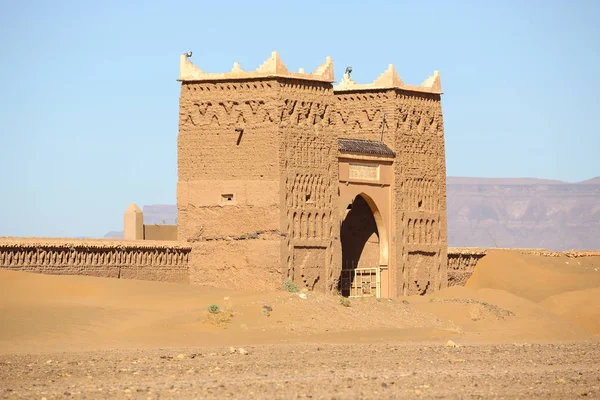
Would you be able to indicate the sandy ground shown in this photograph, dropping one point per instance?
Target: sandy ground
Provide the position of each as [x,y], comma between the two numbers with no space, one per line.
[528,326]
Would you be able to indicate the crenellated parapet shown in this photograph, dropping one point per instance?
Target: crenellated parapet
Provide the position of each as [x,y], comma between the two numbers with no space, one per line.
[272,67]
[390,79]
[147,260]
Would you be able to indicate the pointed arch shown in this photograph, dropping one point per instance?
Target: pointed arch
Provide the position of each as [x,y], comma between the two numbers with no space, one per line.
[381,227]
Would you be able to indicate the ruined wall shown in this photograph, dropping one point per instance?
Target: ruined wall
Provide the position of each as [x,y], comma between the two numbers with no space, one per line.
[461,264]
[462,261]
[102,258]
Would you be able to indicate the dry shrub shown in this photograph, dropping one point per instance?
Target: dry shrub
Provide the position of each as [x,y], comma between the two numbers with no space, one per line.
[345,301]
[290,286]
[220,319]
[218,316]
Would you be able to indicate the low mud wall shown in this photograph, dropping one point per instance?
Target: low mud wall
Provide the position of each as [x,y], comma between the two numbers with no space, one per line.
[462,260]
[461,264]
[550,253]
[145,260]
[160,232]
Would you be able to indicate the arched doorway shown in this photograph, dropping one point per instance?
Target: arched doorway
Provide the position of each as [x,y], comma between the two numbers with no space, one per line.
[361,247]
[359,236]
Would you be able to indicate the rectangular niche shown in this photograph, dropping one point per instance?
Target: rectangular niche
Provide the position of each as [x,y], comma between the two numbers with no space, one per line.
[227,199]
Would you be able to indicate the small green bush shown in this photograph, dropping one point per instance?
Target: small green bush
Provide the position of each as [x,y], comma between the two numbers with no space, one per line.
[405,302]
[345,301]
[290,286]
[214,308]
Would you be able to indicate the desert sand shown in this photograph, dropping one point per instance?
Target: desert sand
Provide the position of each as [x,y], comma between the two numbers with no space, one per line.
[525,326]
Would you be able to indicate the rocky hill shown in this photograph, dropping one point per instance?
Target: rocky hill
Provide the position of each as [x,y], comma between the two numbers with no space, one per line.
[485,212]
[523,213]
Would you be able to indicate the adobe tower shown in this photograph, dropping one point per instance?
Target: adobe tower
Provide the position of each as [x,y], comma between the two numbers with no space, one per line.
[283,176]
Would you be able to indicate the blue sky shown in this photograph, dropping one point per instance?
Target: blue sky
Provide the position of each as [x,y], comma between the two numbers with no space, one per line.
[89,98]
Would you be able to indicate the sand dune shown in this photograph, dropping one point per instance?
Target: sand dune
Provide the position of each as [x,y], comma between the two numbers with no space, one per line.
[510,297]
[530,323]
[533,277]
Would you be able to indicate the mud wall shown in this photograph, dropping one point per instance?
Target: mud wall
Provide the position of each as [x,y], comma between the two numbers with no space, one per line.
[228,190]
[461,264]
[103,258]
[257,153]
[308,157]
[160,232]
[411,125]
[462,261]
[420,192]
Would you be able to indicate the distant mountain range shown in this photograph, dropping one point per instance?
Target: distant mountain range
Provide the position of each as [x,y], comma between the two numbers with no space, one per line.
[500,212]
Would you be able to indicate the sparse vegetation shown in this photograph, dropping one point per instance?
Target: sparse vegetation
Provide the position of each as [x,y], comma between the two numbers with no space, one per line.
[345,301]
[405,302]
[221,318]
[290,286]
[218,316]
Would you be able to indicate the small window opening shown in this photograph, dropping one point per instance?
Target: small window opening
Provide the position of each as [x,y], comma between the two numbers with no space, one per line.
[308,198]
[227,197]
[420,203]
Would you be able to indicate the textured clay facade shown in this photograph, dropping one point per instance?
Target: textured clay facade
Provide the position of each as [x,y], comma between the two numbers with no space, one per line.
[146,260]
[461,264]
[283,175]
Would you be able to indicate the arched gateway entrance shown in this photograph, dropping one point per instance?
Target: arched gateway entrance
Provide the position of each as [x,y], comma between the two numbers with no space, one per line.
[365,179]
[359,235]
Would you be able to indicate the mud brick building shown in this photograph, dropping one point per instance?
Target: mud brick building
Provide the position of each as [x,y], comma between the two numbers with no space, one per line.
[282,175]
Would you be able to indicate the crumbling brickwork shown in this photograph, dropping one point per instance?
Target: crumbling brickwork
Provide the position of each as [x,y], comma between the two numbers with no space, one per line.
[461,264]
[258,152]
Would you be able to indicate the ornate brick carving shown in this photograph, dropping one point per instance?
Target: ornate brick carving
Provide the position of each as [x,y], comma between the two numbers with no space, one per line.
[142,260]
[279,130]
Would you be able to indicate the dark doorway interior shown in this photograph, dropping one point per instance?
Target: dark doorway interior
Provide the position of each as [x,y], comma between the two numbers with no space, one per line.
[359,237]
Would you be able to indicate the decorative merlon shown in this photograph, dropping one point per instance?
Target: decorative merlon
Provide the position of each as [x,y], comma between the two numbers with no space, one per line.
[433,82]
[272,67]
[390,79]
